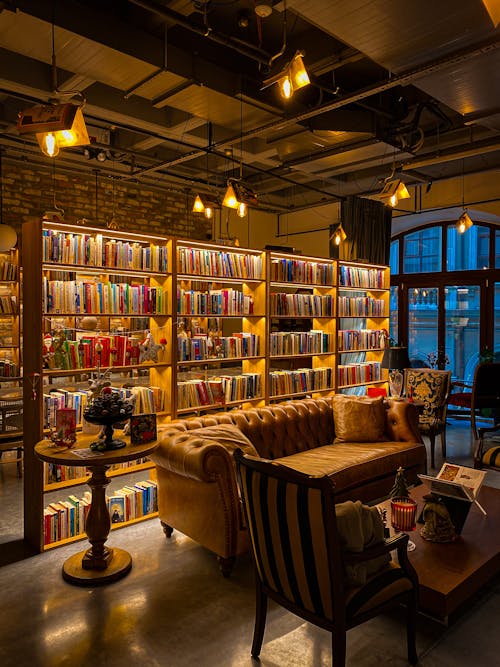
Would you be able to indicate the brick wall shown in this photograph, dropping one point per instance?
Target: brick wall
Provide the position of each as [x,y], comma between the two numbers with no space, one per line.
[29,191]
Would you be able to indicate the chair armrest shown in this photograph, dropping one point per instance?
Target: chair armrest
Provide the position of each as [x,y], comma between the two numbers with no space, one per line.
[487,429]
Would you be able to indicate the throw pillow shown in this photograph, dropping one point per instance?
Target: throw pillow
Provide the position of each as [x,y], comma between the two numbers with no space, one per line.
[358,418]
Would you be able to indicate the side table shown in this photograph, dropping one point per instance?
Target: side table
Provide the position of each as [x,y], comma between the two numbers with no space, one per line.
[99,564]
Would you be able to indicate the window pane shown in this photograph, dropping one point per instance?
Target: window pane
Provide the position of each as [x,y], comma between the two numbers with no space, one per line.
[467,251]
[422,251]
[497,250]
[422,324]
[462,329]
[496,323]
[393,305]
[394,257]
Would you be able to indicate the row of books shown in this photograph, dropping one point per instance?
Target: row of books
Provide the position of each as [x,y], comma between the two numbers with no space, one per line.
[300,381]
[360,373]
[8,271]
[54,473]
[102,298]
[91,250]
[8,304]
[355,276]
[361,339]
[301,305]
[300,342]
[218,390]
[218,263]
[89,351]
[303,271]
[8,369]
[214,302]
[203,346]
[66,518]
[148,400]
[361,306]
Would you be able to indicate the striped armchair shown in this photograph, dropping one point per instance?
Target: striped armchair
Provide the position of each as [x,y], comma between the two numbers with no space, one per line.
[301,564]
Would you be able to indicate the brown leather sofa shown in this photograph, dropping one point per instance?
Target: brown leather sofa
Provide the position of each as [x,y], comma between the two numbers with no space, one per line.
[197,489]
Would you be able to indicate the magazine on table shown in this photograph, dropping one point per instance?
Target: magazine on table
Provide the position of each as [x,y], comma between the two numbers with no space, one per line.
[455,481]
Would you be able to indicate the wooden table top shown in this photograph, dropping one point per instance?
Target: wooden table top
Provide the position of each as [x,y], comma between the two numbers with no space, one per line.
[449,573]
[47,451]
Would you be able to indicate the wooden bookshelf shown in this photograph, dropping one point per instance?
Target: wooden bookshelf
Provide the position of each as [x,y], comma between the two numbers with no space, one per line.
[363,324]
[124,282]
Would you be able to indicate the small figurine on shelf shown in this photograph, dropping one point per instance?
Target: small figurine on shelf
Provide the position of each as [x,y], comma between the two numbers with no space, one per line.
[400,487]
[148,349]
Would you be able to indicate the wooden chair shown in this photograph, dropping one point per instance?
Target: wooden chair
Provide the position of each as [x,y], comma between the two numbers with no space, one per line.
[300,562]
[430,388]
[485,401]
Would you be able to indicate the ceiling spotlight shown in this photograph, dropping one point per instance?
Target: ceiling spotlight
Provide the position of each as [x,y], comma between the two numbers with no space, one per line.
[238,196]
[393,191]
[101,156]
[263,8]
[464,222]
[291,78]
[55,125]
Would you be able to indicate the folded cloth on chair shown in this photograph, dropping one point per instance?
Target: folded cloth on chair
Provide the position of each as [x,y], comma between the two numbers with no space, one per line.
[360,526]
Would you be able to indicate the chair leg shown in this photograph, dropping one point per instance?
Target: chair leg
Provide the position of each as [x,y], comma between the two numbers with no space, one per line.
[432,441]
[411,623]
[168,530]
[226,565]
[338,647]
[260,618]
[443,444]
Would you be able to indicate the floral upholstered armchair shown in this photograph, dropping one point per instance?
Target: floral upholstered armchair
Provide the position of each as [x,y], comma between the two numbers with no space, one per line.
[430,389]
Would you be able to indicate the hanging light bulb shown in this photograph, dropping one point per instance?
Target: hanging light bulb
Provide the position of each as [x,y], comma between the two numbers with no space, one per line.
[209,212]
[393,200]
[286,87]
[464,222]
[198,206]
[48,143]
[230,198]
[338,235]
[298,72]
[242,209]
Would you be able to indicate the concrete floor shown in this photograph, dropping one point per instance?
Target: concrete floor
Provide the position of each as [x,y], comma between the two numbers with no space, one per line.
[174,609]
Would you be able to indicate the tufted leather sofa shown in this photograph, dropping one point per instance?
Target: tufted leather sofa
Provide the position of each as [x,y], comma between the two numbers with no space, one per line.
[197,489]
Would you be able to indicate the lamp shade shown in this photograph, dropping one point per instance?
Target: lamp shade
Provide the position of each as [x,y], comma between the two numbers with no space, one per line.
[396,357]
[8,237]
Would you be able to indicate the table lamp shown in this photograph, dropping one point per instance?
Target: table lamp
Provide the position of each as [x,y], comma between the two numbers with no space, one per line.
[395,359]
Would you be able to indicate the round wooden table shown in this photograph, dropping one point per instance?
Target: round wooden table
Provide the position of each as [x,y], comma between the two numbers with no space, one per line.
[99,564]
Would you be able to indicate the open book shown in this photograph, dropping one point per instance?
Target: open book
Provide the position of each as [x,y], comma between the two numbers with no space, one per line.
[455,481]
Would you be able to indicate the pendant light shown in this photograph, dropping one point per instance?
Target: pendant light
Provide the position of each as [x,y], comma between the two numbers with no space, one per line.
[464,222]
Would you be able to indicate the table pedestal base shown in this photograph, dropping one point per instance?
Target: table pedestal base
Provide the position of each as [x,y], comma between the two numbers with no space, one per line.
[119,565]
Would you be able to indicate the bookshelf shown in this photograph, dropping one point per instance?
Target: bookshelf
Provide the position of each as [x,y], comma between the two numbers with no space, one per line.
[97,298]
[363,324]
[301,326]
[11,403]
[220,325]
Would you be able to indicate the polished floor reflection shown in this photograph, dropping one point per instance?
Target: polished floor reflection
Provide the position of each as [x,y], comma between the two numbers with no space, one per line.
[174,609]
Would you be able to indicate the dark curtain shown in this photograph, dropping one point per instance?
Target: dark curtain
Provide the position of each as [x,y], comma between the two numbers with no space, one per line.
[367,224]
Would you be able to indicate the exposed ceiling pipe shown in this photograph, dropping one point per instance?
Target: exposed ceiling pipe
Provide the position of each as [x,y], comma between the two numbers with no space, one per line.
[486,146]
[247,50]
[398,80]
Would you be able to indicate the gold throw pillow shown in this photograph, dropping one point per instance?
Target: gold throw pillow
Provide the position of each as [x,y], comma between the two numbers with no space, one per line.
[358,418]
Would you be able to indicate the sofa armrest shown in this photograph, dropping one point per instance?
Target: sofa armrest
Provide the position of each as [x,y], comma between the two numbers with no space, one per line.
[192,455]
[402,421]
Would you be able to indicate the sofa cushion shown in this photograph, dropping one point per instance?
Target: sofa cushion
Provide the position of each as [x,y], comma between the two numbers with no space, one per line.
[353,465]
[358,418]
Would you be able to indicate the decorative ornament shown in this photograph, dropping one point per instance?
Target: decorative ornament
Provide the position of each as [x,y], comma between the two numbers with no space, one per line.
[400,487]
[438,526]
[149,349]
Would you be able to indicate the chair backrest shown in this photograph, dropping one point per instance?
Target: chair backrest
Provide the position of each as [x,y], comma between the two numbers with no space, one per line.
[485,391]
[429,386]
[292,526]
